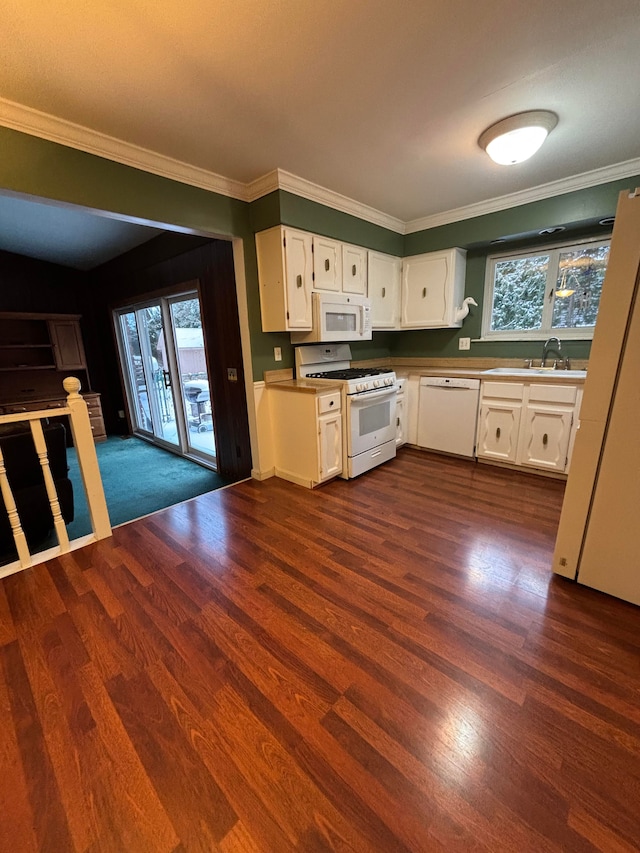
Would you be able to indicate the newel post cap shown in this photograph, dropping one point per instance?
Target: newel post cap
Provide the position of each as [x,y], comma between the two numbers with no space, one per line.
[71,385]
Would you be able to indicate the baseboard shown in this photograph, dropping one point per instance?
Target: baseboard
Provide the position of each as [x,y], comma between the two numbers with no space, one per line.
[263,475]
[294,478]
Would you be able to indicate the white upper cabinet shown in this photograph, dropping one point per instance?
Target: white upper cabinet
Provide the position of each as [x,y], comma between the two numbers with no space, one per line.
[285,267]
[419,292]
[432,289]
[327,264]
[385,278]
[354,269]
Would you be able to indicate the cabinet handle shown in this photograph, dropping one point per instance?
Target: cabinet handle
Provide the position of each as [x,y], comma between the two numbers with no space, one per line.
[545,439]
[498,432]
[326,264]
[424,292]
[353,270]
[384,292]
[397,421]
[298,281]
[331,402]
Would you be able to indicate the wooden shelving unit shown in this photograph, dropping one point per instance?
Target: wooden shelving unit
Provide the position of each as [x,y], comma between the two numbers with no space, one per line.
[37,351]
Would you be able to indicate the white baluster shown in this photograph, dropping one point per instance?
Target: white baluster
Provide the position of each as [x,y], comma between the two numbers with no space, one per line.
[50,486]
[86,450]
[14,519]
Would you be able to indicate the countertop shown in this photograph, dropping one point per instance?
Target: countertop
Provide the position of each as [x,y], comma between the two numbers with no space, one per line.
[556,377]
[306,386]
[475,368]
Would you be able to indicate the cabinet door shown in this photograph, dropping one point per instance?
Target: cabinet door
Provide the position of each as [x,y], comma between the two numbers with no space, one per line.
[424,284]
[354,270]
[545,437]
[327,264]
[299,268]
[400,431]
[498,429]
[330,445]
[432,289]
[68,350]
[384,281]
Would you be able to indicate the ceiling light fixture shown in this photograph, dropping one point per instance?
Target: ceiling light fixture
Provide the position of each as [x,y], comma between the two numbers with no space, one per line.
[518,137]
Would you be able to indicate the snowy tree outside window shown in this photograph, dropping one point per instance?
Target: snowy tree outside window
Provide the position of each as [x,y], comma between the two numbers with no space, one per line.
[534,294]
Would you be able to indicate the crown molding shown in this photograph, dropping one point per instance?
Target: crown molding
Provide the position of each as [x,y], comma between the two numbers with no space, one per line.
[314,192]
[35,123]
[627,169]
[262,186]
[45,126]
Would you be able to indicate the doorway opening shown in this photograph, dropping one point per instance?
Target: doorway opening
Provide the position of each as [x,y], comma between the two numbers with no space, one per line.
[162,353]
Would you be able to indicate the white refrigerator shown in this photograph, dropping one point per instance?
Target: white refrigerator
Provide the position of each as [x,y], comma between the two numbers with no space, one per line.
[598,542]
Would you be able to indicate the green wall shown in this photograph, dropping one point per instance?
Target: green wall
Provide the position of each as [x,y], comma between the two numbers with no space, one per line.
[36,167]
[579,212]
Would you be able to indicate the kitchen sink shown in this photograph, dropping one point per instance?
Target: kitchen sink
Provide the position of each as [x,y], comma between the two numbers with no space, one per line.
[536,371]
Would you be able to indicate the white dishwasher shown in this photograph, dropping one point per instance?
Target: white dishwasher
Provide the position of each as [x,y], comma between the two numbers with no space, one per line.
[448,414]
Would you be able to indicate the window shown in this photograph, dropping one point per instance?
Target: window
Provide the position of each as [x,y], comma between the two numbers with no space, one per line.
[529,295]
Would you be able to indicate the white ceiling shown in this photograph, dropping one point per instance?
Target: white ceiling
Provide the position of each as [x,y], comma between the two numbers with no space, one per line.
[63,235]
[379,101]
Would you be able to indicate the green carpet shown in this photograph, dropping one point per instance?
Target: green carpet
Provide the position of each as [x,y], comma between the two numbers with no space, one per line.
[138,478]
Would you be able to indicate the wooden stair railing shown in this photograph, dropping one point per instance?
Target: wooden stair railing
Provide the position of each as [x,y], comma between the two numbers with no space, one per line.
[76,409]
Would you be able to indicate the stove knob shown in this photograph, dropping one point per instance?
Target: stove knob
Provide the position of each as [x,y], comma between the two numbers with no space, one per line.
[359,387]
[376,383]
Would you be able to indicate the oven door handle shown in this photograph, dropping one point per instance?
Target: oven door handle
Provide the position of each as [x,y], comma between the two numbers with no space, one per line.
[365,396]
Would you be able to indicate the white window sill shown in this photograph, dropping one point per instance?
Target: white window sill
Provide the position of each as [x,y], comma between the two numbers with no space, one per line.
[563,334]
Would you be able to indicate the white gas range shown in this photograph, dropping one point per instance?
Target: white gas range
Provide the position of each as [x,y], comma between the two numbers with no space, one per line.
[369,398]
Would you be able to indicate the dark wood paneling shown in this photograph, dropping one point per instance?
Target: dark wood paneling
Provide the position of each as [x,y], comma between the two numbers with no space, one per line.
[27,284]
[155,268]
[383,664]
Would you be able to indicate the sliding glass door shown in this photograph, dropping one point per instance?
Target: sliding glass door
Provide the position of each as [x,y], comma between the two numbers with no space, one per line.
[162,353]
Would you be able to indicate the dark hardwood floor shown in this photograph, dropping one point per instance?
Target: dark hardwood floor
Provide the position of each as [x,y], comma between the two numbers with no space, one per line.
[384,664]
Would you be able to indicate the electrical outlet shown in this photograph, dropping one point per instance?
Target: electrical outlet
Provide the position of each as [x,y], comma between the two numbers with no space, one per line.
[121,413]
[277,353]
[464,343]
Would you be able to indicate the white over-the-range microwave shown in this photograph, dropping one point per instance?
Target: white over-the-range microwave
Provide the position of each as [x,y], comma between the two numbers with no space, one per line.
[337,317]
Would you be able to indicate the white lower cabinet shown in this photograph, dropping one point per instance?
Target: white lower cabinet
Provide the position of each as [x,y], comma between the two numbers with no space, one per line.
[307,434]
[545,437]
[498,431]
[401,431]
[527,424]
[330,446]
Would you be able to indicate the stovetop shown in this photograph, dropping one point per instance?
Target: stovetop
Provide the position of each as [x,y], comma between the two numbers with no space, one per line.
[312,363]
[348,373]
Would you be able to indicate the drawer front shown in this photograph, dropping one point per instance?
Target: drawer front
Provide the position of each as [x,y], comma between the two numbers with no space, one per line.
[553,393]
[97,427]
[35,406]
[503,390]
[329,403]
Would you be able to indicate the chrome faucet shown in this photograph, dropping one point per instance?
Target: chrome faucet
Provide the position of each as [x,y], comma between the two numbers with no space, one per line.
[550,347]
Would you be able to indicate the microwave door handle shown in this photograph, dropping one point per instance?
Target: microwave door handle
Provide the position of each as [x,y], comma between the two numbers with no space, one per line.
[361,320]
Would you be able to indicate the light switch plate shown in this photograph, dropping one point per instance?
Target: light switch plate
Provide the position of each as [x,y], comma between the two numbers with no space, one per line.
[277,353]
[464,343]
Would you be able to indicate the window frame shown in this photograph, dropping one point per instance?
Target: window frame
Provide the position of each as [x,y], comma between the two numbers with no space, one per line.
[554,250]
